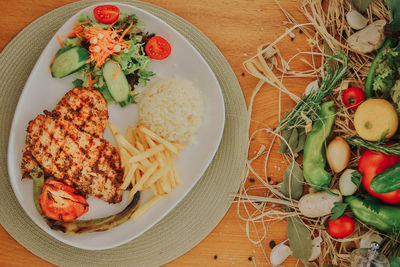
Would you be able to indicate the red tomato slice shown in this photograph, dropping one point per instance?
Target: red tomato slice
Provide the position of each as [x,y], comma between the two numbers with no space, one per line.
[106,14]
[62,202]
[158,48]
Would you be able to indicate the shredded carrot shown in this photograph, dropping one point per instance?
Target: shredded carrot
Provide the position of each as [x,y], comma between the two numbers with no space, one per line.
[116,55]
[75,32]
[90,81]
[59,40]
[109,27]
[105,45]
[125,31]
[115,74]
[82,23]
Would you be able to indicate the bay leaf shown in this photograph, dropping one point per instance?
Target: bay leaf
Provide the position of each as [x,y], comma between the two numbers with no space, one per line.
[296,181]
[361,5]
[293,140]
[299,238]
[302,140]
[285,136]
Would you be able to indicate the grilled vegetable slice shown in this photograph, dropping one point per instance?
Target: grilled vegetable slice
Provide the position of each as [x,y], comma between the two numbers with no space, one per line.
[62,202]
[81,226]
[68,60]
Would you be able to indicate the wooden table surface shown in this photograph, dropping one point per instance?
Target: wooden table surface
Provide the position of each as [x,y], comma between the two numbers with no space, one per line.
[237,28]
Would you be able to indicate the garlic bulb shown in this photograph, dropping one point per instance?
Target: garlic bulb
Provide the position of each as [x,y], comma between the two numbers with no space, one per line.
[368,39]
[356,20]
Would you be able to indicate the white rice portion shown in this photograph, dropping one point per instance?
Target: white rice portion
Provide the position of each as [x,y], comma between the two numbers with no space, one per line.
[173,108]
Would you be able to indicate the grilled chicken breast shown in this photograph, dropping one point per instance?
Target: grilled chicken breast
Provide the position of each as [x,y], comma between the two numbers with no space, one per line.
[69,146]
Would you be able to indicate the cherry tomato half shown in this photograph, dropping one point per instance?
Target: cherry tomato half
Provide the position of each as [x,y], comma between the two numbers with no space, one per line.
[352,97]
[341,227]
[106,14]
[157,48]
[62,202]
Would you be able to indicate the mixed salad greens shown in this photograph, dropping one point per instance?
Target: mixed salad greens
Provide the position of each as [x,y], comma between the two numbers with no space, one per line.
[111,54]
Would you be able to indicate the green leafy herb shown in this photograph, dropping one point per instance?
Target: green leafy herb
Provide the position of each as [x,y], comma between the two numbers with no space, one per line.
[77,83]
[300,239]
[372,204]
[361,5]
[294,181]
[379,145]
[295,137]
[356,178]
[310,105]
[394,6]
[338,210]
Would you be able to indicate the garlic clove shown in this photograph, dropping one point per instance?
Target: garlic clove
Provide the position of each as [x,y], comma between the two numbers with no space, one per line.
[279,254]
[316,248]
[356,20]
[312,86]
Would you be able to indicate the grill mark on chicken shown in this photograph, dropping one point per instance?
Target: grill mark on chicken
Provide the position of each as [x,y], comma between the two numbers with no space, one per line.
[68,144]
[86,108]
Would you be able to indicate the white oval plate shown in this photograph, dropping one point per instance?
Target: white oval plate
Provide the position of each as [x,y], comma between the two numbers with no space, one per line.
[43,92]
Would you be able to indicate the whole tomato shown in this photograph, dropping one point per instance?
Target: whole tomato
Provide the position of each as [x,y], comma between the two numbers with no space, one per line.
[371,163]
[352,97]
[341,227]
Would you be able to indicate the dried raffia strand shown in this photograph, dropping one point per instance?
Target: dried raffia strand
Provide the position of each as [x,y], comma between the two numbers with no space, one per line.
[270,67]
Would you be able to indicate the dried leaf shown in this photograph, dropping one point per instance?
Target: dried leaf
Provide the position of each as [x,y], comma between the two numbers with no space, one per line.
[302,140]
[294,139]
[361,5]
[285,136]
[296,180]
[300,239]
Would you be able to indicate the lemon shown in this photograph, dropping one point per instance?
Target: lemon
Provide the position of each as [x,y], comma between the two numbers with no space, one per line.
[375,118]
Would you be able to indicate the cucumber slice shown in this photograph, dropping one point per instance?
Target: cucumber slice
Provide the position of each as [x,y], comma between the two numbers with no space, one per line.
[69,60]
[116,81]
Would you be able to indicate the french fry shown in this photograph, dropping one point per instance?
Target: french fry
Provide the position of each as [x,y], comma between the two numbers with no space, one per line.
[143,179]
[129,176]
[165,185]
[124,155]
[160,173]
[146,154]
[148,205]
[155,137]
[130,134]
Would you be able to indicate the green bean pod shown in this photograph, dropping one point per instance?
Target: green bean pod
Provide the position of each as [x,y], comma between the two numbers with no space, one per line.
[81,226]
[383,217]
[314,159]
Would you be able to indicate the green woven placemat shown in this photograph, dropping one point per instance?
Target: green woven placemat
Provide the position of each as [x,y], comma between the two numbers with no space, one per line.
[186,225]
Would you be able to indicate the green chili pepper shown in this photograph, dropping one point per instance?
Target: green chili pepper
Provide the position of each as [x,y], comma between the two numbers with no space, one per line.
[314,160]
[389,43]
[387,181]
[383,217]
[81,226]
